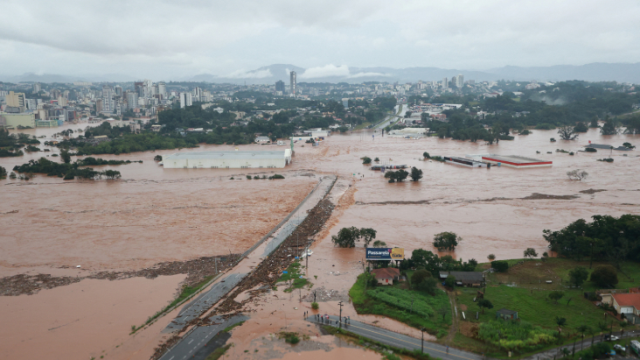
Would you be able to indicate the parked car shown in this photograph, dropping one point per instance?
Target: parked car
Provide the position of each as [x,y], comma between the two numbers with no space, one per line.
[619,348]
[611,338]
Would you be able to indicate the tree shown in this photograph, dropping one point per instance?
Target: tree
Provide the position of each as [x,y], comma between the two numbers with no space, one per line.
[367,235]
[555,296]
[394,176]
[491,257]
[581,127]
[450,281]
[157,158]
[567,133]
[578,276]
[561,321]
[594,122]
[376,160]
[346,237]
[443,310]
[530,253]
[418,277]
[500,266]
[66,158]
[379,244]
[426,155]
[577,174]
[3,172]
[582,329]
[366,160]
[112,174]
[446,241]
[604,276]
[416,174]
[609,127]
[429,285]
[485,304]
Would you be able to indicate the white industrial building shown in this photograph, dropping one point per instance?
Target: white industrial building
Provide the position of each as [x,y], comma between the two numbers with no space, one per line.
[229,159]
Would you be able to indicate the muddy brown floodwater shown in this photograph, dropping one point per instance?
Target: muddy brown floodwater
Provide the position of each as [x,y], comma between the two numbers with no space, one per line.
[156,215]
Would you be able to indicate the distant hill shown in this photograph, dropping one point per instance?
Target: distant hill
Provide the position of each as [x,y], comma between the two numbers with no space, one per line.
[620,72]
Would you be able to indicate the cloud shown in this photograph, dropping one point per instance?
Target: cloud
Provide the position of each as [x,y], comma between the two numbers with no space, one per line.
[367,74]
[326,71]
[167,39]
[256,74]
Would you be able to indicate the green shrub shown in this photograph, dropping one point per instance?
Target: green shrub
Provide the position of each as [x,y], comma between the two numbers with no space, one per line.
[248,177]
[590,149]
[315,306]
[525,132]
[426,155]
[500,266]
[366,160]
[276,176]
[514,335]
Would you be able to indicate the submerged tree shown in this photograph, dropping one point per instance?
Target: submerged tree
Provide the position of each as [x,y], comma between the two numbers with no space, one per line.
[567,133]
[416,174]
[446,241]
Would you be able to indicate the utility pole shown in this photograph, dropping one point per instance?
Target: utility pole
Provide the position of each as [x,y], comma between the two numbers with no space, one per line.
[340,303]
[422,331]
[216,262]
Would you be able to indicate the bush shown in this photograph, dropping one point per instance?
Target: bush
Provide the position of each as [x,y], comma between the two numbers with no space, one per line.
[609,160]
[256,177]
[3,172]
[315,306]
[158,158]
[276,176]
[426,155]
[248,177]
[514,335]
[450,281]
[525,132]
[590,149]
[604,276]
[500,266]
[366,160]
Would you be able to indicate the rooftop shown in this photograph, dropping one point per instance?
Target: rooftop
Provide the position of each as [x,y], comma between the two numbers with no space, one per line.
[385,273]
[628,299]
[228,155]
[464,276]
[607,147]
[515,159]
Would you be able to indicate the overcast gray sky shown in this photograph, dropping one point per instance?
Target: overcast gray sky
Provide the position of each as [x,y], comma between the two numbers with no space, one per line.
[164,39]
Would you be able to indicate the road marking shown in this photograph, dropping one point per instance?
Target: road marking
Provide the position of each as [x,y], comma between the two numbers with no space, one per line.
[408,342]
[190,342]
[172,357]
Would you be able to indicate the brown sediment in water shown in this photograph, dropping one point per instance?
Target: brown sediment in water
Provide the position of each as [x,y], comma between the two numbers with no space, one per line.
[157,215]
[196,270]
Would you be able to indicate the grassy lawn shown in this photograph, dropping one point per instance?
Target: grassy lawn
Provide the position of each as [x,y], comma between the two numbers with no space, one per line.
[524,289]
[395,302]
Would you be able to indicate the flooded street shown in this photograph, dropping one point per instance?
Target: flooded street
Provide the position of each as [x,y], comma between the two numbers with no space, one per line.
[154,215]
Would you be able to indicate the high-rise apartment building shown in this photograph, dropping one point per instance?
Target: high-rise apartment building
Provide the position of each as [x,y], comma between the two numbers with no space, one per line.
[107,99]
[139,88]
[132,100]
[162,89]
[280,86]
[445,83]
[16,100]
[292,80]
[118,90]
[185,100]
[36,88]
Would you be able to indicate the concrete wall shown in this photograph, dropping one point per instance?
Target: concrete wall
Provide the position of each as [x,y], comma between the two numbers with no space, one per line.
[224,163]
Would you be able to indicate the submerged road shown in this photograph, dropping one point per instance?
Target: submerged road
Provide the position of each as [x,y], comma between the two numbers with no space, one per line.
[198,344]
[191,345]
[398,340]
[391,119]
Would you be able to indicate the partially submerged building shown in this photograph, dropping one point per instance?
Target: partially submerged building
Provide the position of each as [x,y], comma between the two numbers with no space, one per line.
[229,159]
[514,161]
[465,278]
[464,162]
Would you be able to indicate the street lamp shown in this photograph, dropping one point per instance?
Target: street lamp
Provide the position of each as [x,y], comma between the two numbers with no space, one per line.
[340,304]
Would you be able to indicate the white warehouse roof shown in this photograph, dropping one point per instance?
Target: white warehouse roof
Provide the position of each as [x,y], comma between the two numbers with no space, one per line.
[239,155]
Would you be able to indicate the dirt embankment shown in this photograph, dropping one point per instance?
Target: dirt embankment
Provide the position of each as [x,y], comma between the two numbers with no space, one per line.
[196,270]
[266,273]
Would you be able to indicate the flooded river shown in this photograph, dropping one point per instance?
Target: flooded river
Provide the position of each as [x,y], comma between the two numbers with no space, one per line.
[153,215]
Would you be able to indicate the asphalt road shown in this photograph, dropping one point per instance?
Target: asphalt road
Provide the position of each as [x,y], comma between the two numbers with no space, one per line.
[398,340]
[198,344]
[581,345]
[389,119]
[204,301]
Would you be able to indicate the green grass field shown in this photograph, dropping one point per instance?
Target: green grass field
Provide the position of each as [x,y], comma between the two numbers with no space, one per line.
[293,276]
[395,302]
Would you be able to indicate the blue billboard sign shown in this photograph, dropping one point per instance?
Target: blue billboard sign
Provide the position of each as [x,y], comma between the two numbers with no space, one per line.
[376,254]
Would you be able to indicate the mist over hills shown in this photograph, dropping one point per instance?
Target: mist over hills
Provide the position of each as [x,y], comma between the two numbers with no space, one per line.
[621,72]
